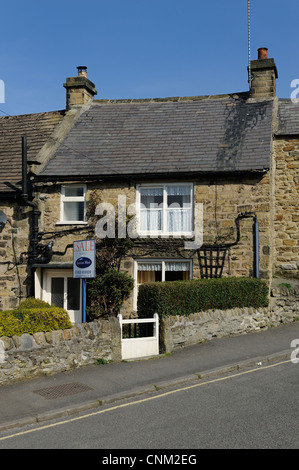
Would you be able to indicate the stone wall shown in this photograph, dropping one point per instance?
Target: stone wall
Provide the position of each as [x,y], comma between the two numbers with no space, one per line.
[28,356]
[284,302]
[286,217]
[14,241]
[178,331]
[222,199]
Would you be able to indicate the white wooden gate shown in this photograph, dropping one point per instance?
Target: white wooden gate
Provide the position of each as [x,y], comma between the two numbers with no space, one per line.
[136,346]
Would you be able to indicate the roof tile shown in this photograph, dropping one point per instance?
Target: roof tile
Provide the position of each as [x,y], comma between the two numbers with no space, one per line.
[130,137]
[37,128]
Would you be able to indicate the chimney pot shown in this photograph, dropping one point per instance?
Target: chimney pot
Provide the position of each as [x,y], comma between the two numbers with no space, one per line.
[82,71]
[262,53]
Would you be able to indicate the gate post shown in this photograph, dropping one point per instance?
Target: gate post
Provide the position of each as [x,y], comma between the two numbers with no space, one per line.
[156,331]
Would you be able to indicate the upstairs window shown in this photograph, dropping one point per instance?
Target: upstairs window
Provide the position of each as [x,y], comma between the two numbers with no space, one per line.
[165,209]
[73,203]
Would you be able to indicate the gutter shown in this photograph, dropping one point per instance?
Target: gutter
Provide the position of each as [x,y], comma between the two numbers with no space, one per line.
[135,177]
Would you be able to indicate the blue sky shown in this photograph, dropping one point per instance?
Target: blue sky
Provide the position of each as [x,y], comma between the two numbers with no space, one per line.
[140,48]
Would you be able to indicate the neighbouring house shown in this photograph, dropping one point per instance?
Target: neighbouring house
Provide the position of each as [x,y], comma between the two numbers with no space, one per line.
[233,157]
[17,211]
[286,190]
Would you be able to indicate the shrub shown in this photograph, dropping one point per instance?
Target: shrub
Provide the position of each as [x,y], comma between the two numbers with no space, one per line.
[108,291]
[186,297]
[111,287]
[32,320]
[31,302]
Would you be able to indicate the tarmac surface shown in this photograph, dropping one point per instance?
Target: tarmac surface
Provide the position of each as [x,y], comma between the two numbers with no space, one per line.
[60,395]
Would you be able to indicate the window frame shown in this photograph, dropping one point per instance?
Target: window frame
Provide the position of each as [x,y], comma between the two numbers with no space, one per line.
[64,199]
[164,209]
[163,261]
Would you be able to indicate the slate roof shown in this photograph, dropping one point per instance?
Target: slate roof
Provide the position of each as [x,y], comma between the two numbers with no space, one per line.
[170,136]
[37,128]
[288,118]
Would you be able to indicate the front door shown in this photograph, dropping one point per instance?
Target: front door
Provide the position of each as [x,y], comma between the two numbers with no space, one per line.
[63,291]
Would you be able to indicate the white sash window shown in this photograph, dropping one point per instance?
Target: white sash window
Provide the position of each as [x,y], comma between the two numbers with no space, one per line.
[73,204]
[165,209]
[151,209]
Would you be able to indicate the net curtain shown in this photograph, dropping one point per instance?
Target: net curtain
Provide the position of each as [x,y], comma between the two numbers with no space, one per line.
[169,266]
[178,210]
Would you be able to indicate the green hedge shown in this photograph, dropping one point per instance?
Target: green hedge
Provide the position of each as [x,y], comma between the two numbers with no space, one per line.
[32,316]
[186,297]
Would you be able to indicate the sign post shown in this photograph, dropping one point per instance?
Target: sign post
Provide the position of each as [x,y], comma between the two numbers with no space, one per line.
[83,300]
[84,262]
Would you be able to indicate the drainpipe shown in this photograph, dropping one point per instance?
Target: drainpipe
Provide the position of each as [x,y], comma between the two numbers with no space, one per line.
[256,247]
[35,212]
[256,254]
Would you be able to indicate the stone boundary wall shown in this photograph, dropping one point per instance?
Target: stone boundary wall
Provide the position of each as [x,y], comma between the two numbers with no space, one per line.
[29,356]
[178,331]
[284,303]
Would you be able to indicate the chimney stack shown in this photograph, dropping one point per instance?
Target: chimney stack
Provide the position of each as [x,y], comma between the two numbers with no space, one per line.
[263,76]
[79,90]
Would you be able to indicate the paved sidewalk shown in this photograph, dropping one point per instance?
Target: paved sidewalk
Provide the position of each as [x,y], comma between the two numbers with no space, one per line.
[63,394]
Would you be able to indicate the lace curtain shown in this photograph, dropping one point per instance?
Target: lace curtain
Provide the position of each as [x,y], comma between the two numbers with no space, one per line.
[178,210]
[169,266]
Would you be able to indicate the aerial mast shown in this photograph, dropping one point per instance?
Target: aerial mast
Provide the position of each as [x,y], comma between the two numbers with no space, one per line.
[249,52]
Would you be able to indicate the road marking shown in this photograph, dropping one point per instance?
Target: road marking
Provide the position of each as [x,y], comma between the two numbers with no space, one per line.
[142,400]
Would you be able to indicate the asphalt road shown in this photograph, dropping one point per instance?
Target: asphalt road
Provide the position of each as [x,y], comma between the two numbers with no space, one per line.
[250,409]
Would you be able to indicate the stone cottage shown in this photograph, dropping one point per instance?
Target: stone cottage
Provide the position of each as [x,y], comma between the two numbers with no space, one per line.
[227,161]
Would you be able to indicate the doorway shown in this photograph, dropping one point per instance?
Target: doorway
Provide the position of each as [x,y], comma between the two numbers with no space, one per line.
[62,290]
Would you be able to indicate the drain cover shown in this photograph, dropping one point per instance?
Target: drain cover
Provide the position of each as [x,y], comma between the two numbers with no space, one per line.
[63,390]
